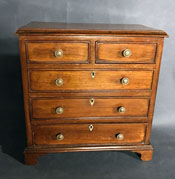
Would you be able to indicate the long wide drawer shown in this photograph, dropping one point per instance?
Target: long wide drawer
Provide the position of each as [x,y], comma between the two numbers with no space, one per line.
[88,107]
[89,134]
[125,52]
[57,52]
[45,80]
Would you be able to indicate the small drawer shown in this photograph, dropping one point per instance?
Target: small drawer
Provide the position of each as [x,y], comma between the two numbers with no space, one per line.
[125,53]
[57,52]
[90,107]
[43,80]
[117,134]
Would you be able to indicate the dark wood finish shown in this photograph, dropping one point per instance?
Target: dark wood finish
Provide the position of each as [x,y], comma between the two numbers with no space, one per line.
[82,80]
[44,52]
[87,48]
[113,53]
[73,108]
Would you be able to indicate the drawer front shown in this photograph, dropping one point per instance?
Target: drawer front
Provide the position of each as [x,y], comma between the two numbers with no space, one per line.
[89,134]
[91,107]
[89,80]
[57,52]
[125,53]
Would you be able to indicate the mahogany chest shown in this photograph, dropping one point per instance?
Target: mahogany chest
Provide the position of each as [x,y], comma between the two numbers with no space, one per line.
[89,87]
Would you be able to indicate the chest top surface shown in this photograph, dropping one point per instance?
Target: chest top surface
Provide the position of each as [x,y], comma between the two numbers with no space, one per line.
[85,28]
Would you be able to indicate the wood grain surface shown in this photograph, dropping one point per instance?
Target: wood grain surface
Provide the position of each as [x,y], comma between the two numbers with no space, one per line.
[82,80]
[46,108]
[44,52]
[80,134]
[113,53]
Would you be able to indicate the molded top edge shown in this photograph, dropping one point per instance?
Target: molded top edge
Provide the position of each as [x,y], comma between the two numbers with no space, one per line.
[84,28]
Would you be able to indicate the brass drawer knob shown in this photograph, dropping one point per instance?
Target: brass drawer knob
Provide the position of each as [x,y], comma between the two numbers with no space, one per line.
[58,53]
[60,136]
[59,81]
[124,81]
[120,136]
[121,109]
[59,110]
[127,53]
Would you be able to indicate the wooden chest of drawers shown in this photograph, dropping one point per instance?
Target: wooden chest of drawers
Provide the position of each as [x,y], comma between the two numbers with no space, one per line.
[89,87]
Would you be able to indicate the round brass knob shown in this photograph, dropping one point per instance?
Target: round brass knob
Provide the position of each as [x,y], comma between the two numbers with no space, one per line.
[58,53]
[120,136]
[127,53]
[121,109]
[59,81]
[59,110]
[124,81]
[60,136]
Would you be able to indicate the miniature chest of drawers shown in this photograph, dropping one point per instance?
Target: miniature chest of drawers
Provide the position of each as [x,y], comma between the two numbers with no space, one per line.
[89,87]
